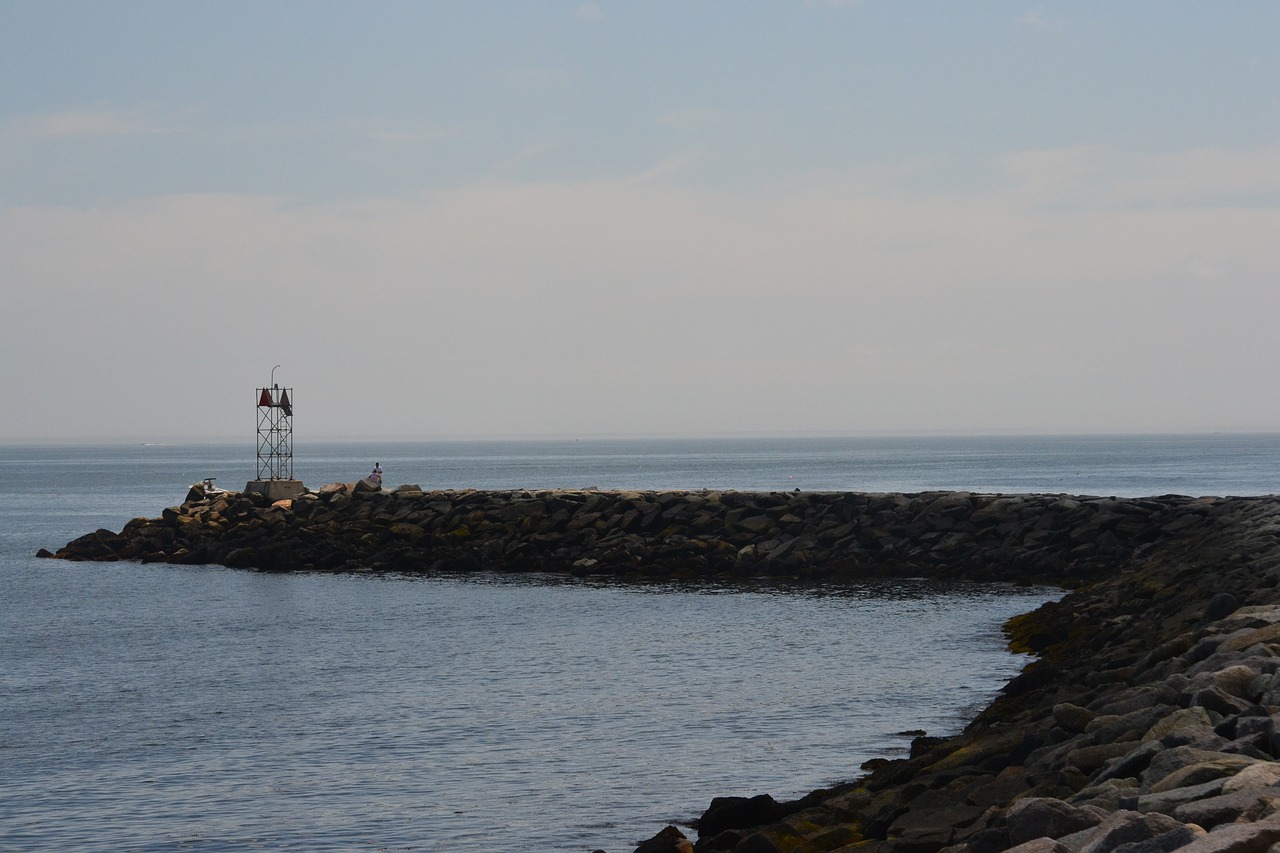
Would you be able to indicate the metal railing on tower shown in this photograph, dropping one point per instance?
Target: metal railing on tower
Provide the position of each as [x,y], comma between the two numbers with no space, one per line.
[275,432]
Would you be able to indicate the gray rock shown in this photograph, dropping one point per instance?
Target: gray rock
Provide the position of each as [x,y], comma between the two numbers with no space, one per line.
[1180,719]
[1266,689]
[1166,801]
[1216,699]
[1126,701]
[1166,842]
[1248,637]
[1106,795]
[1235,680]
[1205,771]
[1220,606]
[1132,764]
[1130,726]
[1264,774]
[1224,808]
[1071,717]
[1035,817]
[1178,758]
[1040,845]
[1254,725]
[1091,758]
[1238,838]
[1203,739]
[1127,827]
[1260,658]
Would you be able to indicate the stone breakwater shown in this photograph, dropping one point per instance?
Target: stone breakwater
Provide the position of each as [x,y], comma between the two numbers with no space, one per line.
[1149,719]
[361,527]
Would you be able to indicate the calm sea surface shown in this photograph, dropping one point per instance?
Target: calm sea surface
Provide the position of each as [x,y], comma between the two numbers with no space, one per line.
[197,708]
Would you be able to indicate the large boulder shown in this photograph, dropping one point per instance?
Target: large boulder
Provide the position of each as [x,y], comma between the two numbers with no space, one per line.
[669,840]
[1036,817]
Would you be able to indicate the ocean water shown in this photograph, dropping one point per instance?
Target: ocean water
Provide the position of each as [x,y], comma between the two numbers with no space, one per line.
[199,708]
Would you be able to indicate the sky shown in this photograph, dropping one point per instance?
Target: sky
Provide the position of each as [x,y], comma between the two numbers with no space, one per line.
[695,217]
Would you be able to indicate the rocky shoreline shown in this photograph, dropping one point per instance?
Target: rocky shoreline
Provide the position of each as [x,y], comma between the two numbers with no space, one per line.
[1149,719]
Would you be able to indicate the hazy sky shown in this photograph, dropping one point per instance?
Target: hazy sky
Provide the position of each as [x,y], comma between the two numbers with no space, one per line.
[451,219]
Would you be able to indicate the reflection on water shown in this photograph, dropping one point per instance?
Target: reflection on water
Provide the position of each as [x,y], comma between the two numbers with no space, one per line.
[155,707]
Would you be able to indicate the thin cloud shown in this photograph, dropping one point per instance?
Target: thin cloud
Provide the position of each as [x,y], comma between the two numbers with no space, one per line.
[687,119]
[669,166]
[523,157]
[72,124]
[1036,21]
[904,299]
[421,134]
[537,78]
[1101,178]
[591,12]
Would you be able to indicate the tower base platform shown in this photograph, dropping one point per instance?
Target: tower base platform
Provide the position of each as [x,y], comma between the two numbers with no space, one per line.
[276,490]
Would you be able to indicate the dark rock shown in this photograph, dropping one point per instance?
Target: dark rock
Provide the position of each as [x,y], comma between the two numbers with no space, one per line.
[1126,827]
[933,818]
[1235,681]
[1090,758]
[669,840]
[1035,817]
[1195,737]
[1224,808]
[1166,842]
[1166,802]
[1214,699]
[1219,607]
[1238,838]
[739,813]
[1220,767]
[1040,845]
[1071,717]
[1133,763]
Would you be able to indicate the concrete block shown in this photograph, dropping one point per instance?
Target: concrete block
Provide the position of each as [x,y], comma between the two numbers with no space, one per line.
[276,490]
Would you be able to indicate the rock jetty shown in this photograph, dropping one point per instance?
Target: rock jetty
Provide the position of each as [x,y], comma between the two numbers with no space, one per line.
[362,527]
[1148,720]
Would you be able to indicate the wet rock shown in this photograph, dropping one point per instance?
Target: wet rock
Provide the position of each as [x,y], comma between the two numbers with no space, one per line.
[739,812]
[669,840]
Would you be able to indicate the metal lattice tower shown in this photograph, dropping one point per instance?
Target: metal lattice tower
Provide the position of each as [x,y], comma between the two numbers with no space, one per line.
[275,432]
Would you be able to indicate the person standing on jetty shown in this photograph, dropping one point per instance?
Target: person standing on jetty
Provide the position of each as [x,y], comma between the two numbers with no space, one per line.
[376,476]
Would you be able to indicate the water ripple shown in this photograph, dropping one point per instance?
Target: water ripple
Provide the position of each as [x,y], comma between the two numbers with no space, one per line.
[180,708]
